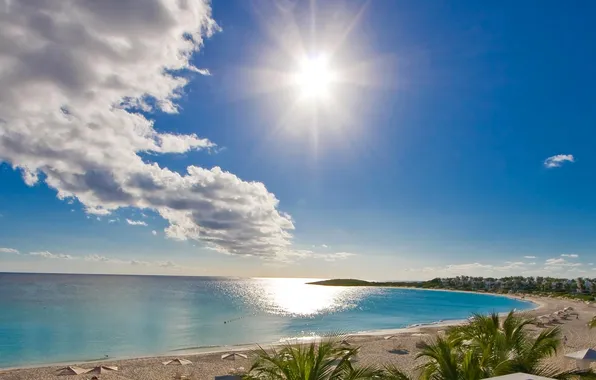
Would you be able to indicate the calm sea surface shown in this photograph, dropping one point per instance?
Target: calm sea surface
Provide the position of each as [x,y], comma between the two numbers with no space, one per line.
[55,318]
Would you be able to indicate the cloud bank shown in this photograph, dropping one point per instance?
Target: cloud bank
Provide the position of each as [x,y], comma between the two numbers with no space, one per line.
[74,76]
[558,160]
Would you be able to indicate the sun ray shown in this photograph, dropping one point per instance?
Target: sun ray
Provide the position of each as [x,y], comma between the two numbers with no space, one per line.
[313,75]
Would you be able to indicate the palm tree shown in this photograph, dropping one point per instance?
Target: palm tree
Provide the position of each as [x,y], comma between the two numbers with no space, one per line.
[391,372]
[486,347]
[322,361]
[446,360]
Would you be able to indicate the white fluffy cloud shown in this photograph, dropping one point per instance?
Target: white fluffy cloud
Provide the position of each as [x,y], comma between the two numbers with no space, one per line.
[72,74]
[558,160]
[153,232]
[9,250]
[572,256]
[136,222]
[529,257]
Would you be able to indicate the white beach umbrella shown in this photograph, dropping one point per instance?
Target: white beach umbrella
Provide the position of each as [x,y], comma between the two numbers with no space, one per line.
[583,358]
[519,376]
[233,356]
[103,369]
[178,361]
[71,370]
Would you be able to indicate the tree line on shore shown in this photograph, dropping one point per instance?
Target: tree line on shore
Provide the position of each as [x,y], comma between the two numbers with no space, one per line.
[582,288]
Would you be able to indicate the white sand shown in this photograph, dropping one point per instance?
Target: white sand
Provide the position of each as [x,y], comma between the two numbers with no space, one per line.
[400,350]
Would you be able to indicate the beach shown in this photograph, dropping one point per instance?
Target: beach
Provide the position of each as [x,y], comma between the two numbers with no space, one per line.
[378,348]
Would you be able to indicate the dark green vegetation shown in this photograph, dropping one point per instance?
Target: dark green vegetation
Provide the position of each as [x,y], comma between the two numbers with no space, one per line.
[484,347]
[579,288]
[354,282]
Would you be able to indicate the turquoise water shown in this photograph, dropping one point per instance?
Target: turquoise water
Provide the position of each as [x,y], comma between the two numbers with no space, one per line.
[56,318]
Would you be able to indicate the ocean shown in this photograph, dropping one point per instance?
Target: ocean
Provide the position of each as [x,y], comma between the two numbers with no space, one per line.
[49,318]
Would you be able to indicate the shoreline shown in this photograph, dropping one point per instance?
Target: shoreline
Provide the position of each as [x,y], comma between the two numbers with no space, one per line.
[207,350]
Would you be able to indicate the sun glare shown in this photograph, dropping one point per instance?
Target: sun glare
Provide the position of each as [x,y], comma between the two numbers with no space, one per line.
[315,77]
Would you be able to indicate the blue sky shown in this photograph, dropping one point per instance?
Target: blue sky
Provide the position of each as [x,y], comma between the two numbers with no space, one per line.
[428,154]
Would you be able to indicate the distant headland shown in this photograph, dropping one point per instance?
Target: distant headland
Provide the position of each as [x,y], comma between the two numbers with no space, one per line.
[580,288]
[355,282]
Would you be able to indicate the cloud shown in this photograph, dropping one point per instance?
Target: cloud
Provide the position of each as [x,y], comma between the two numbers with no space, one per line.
[49,255]
[95,257]
[306,254]
[9,250]
[335,256]
[529,257]
[153,232]
[205,72]
[167,264]
[109,260]
[136,222]
[560,263]
[554,261]
[573,256]
[74,79]
[324,246]
[558,160]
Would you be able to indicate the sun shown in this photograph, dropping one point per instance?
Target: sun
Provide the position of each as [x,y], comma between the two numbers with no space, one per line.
[315,77]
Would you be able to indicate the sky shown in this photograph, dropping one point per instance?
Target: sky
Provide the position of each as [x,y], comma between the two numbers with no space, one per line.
[389,140]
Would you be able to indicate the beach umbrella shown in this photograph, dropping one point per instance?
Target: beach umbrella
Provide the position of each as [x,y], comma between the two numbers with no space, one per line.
[583,358]
[103,369]
[178,361]
[543,319]
[519,376]
[71,370]
[233,356]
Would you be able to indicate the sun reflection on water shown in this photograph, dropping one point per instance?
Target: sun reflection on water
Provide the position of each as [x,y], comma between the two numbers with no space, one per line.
[293,296]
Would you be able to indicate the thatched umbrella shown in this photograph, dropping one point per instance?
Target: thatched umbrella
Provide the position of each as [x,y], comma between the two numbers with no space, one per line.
[178,361]
[103,369]
[71,370]
[233,356]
